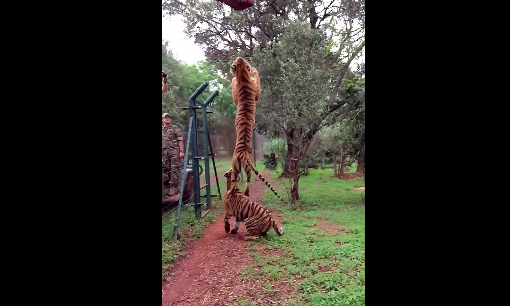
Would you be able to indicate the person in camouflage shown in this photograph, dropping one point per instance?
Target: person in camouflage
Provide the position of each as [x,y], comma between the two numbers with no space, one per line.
[172,146]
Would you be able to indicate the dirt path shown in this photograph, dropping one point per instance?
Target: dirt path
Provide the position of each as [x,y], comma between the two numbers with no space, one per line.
[209,275]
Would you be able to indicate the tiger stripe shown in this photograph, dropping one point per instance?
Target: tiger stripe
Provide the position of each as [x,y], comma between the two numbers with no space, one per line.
[257,220]
[245,92]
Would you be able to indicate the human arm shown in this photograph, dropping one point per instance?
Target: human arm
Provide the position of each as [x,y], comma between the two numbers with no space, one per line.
[165,88]
[181,143]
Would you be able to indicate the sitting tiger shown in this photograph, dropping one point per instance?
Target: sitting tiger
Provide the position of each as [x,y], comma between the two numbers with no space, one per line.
[245,93]
[256,218]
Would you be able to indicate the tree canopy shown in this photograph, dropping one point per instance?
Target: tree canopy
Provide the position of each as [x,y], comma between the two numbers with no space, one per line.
[184,79]
[303,51]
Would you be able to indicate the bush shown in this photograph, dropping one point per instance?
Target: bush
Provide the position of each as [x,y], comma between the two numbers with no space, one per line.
[279,147]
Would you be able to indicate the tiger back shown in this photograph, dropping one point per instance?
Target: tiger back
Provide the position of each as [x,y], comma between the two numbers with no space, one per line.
[257,220]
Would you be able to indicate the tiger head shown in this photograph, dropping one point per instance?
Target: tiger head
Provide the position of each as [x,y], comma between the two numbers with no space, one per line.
[239,67]
[228,174]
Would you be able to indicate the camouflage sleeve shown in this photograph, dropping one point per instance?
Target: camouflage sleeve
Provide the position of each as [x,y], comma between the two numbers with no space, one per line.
[178,134]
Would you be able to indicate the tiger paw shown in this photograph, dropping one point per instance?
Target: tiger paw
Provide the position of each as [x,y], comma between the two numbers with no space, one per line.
[233,231]
[227,227]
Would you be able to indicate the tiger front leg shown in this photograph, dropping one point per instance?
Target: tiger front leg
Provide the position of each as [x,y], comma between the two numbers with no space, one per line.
[227,223]
[236,227]
[234,179]
[256,81]
[235,91]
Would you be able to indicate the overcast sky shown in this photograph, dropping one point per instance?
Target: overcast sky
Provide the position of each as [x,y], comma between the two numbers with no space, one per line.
[184,48]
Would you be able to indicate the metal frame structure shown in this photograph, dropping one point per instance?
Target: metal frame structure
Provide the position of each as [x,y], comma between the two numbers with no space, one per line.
[192,139]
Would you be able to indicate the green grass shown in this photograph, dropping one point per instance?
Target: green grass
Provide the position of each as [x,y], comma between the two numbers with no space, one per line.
[323,245]
[221,166]
[243,302]
[351,169]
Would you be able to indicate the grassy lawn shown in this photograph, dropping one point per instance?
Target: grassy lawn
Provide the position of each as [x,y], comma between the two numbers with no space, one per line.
[322,254]
[221,167]
[351,169]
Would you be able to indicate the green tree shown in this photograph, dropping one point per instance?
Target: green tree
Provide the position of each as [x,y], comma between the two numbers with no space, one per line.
[303,50]
[298,84]
[184,79]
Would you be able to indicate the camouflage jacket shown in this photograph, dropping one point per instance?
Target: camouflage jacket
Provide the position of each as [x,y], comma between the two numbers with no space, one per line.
[170,138]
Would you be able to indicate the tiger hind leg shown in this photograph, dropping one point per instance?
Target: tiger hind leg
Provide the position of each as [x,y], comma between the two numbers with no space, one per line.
[247,169]
[252,231]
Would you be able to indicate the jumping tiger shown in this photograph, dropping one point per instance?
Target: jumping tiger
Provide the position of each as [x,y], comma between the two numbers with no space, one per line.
[257,220]
[245,92]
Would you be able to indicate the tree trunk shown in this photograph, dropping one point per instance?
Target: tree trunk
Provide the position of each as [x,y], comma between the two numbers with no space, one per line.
[359,168]
[335,172]
[361,160]
[227,147]
[294,154]
[295,188]
[290,168]
[342,165]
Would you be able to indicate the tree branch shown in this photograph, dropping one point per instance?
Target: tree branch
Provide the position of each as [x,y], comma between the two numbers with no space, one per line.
[341,76]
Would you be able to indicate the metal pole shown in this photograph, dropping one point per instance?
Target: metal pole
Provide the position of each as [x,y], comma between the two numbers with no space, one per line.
[214,167]
[217,140]
[183,179]
[193,114]
[205,138]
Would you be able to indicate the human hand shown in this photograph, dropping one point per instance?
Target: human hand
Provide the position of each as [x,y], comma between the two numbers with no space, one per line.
[181,155]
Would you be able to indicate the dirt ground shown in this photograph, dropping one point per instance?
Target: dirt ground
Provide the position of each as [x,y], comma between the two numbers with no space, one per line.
[209,274]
